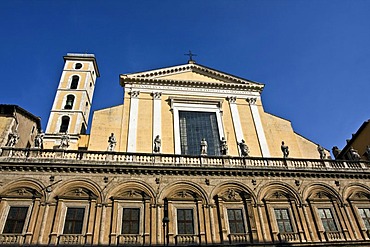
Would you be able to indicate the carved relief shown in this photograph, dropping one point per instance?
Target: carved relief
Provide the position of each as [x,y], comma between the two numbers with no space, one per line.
[252,101]
[231,195]
[157,95]
[231,99]
[135,94]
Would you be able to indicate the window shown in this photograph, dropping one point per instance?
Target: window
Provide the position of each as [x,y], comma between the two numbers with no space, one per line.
[327,220]
[197,125]
[83,129]
[185,221]
[74,221]
[130,221]
[283,220]
[74,83]
[236,222]
[78,66]
[69,102]
[365,215]
[64,124]
[15,220]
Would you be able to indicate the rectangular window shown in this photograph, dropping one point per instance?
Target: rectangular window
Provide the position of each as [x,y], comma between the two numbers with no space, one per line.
[194,126]
[283,220]
[185,221]
[236,222]
[15,220]
[365,215]
[130,221]
[74,221]
[327,220]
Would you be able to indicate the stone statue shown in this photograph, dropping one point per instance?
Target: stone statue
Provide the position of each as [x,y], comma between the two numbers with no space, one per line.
[244,150]
[111,142]
[354,154]
[321,151]
[64,141]
[203,147]
[224,148]
[285,150]
[12,139]
[157,144]
[39,140]
[336,151]
[367,152]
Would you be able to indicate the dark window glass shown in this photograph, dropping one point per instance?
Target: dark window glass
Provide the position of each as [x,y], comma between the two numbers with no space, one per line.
[64,124]
[74,82]
[130,221]
[283,220]
[15,220]
[365,215]
[185,221]
[74,221]
[83,129]
[327,220]
[69,102]
[197,125]
[78,66]
[236,222]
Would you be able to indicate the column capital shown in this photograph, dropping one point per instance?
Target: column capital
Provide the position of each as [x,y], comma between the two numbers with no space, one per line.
[157,95]
[134,94]
[231,99]
[251,101]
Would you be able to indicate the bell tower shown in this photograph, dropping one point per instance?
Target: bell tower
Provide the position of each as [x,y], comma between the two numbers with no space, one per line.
[71,108]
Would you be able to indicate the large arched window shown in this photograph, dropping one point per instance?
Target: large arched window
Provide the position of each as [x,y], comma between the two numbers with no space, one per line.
[74,83]
[64,125]
[69,102]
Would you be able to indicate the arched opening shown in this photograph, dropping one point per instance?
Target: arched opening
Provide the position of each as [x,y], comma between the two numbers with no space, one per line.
[69,102]
[64,125]
[78,66]
[74,82]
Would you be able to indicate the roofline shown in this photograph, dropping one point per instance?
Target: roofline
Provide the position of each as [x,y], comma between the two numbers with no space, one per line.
[17,108]
[196,64]
[354,137]
[83,57]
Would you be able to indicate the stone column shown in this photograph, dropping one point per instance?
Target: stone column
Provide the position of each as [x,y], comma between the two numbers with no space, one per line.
[157,115]
[307,221]
[147,221]
[90,222]
[32,222]
[55,230]
[202,228]
[113,234]
[133,119]
[102,223]
[259,127]
[236,119]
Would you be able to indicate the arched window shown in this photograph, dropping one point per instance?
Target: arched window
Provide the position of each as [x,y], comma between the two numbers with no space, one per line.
[74,82]
[64,124]
[69,102]
[78,66]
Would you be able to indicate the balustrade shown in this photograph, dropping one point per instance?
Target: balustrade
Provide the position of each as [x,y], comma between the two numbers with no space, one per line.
[288,237]
[130,239]
[71,239]
[239,238]
[187,239]
[11,239]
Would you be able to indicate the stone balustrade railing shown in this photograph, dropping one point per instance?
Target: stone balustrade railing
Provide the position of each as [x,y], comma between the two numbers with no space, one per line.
[239,238]
[123,158]
[11,239]
[130,239]
[187,239]
[71,239]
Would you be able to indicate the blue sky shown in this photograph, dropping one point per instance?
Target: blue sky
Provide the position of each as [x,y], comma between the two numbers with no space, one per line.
[313,56]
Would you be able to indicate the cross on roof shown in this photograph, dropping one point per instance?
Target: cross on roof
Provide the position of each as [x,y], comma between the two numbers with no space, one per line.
[190,56]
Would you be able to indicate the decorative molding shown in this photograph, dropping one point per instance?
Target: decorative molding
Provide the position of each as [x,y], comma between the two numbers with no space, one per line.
[157,95]
[134,94]
[231,99]
[251,101]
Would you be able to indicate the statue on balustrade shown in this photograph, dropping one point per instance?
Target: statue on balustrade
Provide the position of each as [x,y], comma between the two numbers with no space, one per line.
[321,151]
[224,148]
[39,141]
[157,144]
[64,141]
[111,142]
[367,152]
[336,151]
[12,139]
[244,149]
[354,154]
[203,147]
[285,150]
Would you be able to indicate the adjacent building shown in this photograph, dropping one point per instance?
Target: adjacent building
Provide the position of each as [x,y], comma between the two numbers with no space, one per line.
[189,158]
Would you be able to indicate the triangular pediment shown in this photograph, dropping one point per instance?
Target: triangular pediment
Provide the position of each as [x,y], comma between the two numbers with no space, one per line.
[189,73]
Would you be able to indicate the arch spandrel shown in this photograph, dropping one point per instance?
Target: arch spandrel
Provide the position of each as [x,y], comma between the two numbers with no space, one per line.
[316,191]
[278,191]
[133,189]
[24,188]
[356,192]
[78,189]
[183,188]
[233,191]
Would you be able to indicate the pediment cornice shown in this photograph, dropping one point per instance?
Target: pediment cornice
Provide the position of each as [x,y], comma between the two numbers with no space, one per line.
[156,76]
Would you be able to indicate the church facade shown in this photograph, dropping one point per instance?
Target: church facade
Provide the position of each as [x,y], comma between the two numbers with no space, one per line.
[189,158]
